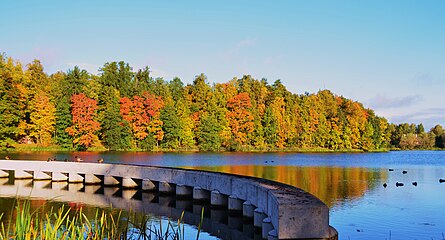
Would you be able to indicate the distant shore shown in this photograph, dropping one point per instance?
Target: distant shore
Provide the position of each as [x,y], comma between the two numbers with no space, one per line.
[56,148]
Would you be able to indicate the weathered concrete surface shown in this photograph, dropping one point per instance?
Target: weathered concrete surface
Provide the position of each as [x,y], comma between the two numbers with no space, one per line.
[39,175]
[293,213]
[110,181]
[129,183]
[235,204]
[183,191]
[218,199]
[165,187]
[4,174]
[91,178]
[258,217]
[148,185]
[200,194]
[267,227]
[248,209]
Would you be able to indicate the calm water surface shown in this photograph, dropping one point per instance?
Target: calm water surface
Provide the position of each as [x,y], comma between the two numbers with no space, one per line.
[349,183]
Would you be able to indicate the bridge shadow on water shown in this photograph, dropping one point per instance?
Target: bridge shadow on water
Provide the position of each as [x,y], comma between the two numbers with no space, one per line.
[218,222]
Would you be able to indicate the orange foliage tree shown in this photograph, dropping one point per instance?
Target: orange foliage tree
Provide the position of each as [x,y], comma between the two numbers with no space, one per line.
[143,115]
[239,117]
[85,127]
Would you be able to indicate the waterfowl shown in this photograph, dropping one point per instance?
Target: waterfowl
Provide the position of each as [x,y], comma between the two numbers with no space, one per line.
[441,180]
[391,170]
[100,160]
[7,158]
[399,184]
[385,185]
[415,184]
[404,172]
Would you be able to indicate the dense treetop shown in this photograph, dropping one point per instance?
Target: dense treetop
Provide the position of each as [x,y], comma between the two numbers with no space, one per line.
[122,109]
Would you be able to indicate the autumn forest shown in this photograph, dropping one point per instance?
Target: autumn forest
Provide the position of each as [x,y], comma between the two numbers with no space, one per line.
[122,109]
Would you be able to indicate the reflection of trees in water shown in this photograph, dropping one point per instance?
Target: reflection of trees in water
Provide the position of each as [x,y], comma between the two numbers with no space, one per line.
[332,185]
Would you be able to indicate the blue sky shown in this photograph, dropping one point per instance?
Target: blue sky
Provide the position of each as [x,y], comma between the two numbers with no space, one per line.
[389,55]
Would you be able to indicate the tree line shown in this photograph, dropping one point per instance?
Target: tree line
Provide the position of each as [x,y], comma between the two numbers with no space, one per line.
[123,109]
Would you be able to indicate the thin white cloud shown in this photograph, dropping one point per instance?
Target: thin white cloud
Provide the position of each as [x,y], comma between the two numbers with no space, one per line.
[385,102]
[429,117]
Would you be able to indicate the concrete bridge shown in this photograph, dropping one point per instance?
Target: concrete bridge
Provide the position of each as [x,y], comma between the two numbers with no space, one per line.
[281,211]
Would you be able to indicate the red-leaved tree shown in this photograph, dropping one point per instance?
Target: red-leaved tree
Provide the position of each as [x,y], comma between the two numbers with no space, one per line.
[85,127]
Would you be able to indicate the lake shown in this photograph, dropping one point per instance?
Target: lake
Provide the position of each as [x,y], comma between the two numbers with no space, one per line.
[351,184]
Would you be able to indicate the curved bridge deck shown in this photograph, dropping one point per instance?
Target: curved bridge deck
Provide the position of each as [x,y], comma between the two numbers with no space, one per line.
[281,211]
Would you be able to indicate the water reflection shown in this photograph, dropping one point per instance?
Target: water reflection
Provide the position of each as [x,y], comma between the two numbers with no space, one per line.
[217,223]
[333,185]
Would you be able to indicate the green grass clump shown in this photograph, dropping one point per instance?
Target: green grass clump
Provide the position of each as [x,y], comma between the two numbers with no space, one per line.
[67,224]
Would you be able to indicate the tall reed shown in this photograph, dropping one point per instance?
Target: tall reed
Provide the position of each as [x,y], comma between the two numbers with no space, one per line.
[67,224]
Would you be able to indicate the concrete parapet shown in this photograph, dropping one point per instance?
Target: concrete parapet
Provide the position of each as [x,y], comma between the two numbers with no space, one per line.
[200,194]
[218,199]
[258,217]
[183,191]
[248,209]
[235,204]
[266,228]
[92,179]
[165,187]
[110,181]
[297,213]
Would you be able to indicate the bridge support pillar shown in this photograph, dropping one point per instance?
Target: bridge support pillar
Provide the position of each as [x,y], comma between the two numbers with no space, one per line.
[148,185]
[39,175]
[59,177]
[200,194]
[129,183]
[235,204]
[20,174]
[74,178]
[4,174]
[110,181]
[218,199]
[183,191]
[258,217]
[248,209]
[267,227]
[92,179]
[165,188]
